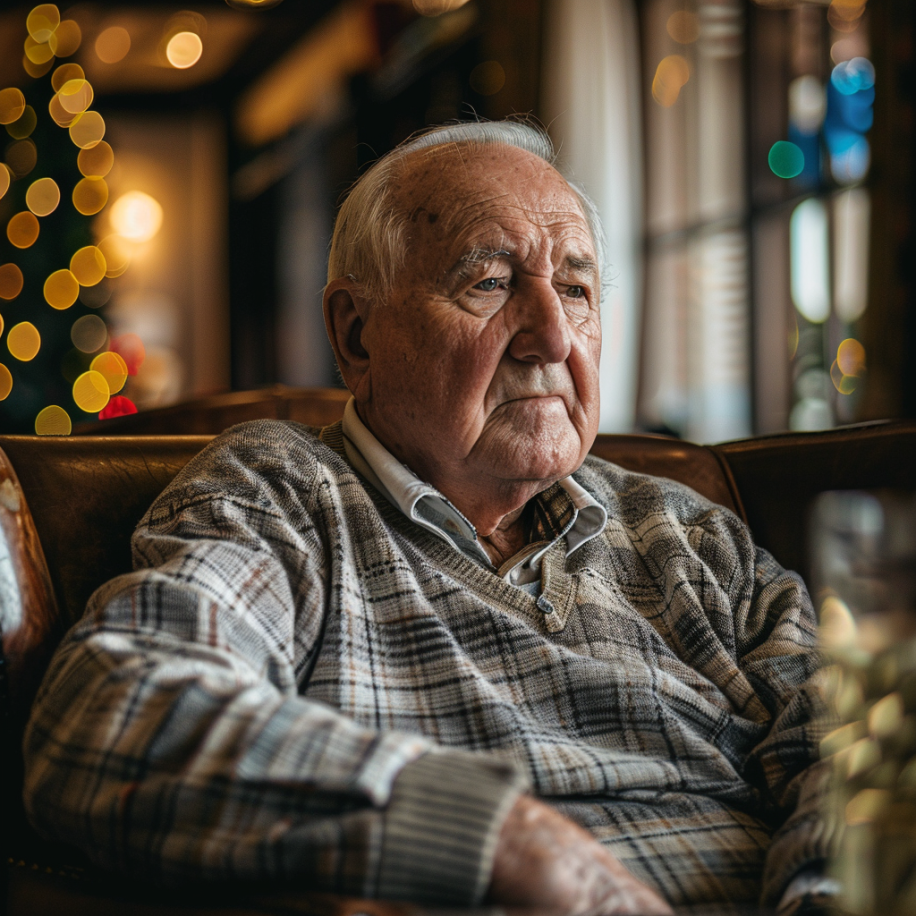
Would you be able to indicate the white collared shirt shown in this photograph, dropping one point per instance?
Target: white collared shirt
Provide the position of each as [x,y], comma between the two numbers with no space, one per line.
[428,508]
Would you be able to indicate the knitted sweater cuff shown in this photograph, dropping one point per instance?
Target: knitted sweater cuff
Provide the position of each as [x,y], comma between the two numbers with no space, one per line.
[442,824]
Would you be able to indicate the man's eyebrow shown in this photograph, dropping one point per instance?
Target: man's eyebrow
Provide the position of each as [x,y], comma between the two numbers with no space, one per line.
[477,255]
[584,264]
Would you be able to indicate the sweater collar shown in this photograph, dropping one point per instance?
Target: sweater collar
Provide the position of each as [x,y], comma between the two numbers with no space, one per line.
[565,508]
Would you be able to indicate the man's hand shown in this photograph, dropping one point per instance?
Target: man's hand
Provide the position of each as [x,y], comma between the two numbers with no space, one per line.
[544,860]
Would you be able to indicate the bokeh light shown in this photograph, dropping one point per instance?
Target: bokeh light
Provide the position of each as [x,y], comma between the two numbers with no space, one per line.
[90,392]
[184,50]
[76,95]
[23,341]
[42,21]
[87,130]
[64,73]
[53,421]
[6,382]
[4,179]
[118,406]
[66,39]
[2,324]
[112,366]
[11,281]
[94,297]
[131,348]
[12,105]
[488,77]
[112,44]
[136,216]
[36,70]
[671,76]
[88,265]
[684,27]
[21,157]
[116,252]
[850,357]
[23,127]
[61,290]
[22,229]
[810,279]
[807,103]
[89,334]
[43,196]
[90,195]
[38,52]
[96,162]
[59,115]
[845,384]
[785,159]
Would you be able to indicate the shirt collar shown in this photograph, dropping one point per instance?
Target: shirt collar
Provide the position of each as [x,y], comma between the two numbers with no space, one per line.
[566,508]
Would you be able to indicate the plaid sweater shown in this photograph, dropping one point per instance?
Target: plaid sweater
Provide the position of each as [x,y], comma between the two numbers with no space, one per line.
[299,684]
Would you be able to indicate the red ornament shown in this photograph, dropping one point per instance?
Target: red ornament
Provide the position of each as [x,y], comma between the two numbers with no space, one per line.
[118,406]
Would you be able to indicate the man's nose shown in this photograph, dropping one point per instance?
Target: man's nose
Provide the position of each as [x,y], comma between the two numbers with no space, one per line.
[542,327]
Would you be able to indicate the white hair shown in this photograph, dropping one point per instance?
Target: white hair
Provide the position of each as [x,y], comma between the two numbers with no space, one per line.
[368,244]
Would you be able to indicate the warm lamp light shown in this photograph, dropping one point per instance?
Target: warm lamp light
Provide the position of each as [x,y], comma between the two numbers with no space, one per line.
[136,216]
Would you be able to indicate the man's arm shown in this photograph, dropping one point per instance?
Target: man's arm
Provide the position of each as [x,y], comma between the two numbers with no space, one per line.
[169,740]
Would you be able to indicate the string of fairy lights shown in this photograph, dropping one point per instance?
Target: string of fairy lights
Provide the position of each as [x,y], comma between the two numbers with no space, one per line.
[96,389]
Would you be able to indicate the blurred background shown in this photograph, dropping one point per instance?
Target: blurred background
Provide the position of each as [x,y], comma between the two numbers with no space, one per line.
[172,173]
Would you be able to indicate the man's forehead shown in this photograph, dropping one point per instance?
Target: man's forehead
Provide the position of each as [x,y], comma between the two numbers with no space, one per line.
[455,193]
[460,174]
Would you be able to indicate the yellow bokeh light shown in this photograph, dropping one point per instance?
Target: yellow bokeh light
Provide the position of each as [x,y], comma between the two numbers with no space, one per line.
[22,229]
[36,70]
[53,421]
[184,50]
[21,157]
[113,368]
[116,252]
[684,27]
[88,265]
[850,357]
[4,179]
[90,195]
[96,162]
[87,130]
[38,52]
[2,324]
[89,333]
[23,127]
[11,282]
[91,392]
[23,341]
[66,38]
[59,115]
[61,289]
[43,196]
[12,105]
[76,95]
[848,9]
[42,21]
[6,382]
[136,216]
[671,75]
[112,45]
[64,73]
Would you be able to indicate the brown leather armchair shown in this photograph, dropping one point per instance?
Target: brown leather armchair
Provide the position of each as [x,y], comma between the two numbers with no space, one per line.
[69,505]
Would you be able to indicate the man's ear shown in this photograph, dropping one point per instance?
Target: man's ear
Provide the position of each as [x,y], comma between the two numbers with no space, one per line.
[345,314]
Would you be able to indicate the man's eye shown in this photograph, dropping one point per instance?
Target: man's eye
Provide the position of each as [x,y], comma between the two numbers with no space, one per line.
[490,285]
[575,292]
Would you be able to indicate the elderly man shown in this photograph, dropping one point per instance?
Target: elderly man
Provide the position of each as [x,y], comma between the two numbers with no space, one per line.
[435,652]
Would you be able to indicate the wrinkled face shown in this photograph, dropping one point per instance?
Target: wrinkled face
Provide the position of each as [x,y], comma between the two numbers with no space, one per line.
[483,364]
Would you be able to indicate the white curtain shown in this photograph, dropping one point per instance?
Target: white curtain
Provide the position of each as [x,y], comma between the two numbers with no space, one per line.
[591,105]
